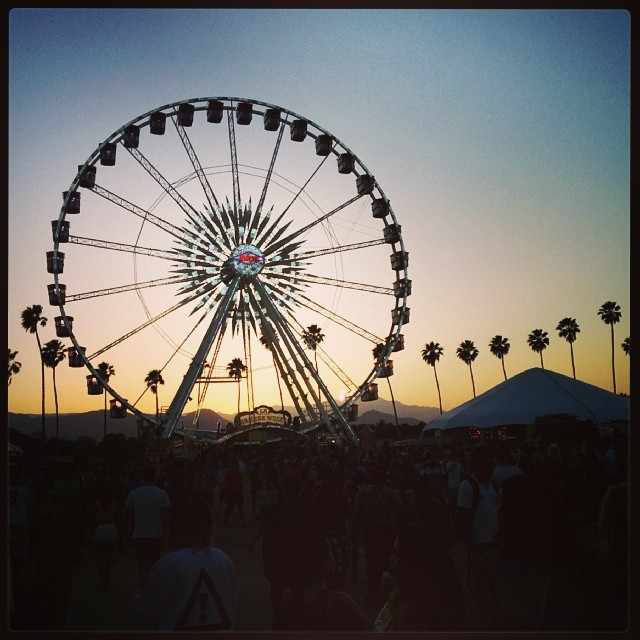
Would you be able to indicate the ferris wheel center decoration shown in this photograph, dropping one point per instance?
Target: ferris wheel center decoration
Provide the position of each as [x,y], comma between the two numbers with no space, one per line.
[238,235]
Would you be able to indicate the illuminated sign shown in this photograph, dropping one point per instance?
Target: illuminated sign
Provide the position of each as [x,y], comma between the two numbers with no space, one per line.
[262,415]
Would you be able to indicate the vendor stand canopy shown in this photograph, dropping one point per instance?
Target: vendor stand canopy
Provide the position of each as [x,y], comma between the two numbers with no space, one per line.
[533,394]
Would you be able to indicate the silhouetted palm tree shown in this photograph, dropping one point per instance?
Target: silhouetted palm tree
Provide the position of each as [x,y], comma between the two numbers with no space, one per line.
[14,365]
[153,379]
[31,317]
[431,355]
[467,352]
[53,353]
[106,371]
[568,329]
[610,314]
[500,346]
[626,346]
[265,343]
[538,340]
[236,368]
[312,337]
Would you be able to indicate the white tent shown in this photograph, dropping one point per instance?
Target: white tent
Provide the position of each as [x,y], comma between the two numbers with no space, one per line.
[532,394]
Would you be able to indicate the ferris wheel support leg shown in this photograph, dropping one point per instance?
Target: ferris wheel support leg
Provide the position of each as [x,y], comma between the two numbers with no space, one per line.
[286,341]
[346,427]
[281,362]
[180,399]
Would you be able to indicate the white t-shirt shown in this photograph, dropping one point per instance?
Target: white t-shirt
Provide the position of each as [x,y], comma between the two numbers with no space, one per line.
[189,589]
[148,503]
[484,520]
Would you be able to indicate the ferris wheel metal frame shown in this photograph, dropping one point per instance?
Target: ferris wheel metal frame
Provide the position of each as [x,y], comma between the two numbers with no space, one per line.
[240,267]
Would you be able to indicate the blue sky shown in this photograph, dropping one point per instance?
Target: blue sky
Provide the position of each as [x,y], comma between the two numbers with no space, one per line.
[501,137]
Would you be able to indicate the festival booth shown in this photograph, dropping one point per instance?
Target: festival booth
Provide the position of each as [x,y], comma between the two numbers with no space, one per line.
[535,400]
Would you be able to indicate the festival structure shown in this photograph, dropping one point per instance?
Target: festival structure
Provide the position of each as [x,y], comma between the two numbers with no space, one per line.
[208,226]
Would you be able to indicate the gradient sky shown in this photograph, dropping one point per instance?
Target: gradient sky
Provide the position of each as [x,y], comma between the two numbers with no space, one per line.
[501,138]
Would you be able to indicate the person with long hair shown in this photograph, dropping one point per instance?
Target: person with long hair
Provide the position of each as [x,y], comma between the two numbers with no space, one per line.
[426,593]
[309,605]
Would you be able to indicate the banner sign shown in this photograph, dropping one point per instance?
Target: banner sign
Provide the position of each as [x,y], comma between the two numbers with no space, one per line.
[262,415]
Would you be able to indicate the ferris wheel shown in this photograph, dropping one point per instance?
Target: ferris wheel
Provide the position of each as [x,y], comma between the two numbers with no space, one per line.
[228,228]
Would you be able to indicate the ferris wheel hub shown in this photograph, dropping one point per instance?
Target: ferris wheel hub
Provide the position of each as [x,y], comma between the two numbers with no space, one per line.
[247,260]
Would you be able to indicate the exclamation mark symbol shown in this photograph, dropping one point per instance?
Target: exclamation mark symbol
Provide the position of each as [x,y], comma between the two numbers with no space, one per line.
[203,607]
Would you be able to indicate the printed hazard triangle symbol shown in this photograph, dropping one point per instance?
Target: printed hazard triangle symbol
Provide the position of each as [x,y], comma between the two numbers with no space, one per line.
[204,610]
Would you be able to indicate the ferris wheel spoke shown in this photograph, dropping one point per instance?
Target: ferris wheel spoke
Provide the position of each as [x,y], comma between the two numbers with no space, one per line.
[329,361]
[347,324]
[197,167]
[127,248]
[305,255]
[205,236]
[127,287]
[138,211]
[144,325]
[290,238]
[304,186]
[267,180]
[169,189]
[359,286]
[234,163]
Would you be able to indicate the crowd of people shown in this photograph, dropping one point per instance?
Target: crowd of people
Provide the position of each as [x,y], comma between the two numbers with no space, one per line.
[542,529]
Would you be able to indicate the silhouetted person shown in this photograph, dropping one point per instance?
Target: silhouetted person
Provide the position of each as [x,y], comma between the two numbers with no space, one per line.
[308,605]
[147,514]
[378,511]
[613,552]
[105,535]
[235,491]
[426,594]
[535,578]
[191,588]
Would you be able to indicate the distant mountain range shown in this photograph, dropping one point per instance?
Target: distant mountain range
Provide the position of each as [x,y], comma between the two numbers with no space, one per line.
[91,424]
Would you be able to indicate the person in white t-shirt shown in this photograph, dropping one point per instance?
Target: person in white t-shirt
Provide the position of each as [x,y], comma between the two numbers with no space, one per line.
[477,511]
[191,588]
[454,469]
[147,516]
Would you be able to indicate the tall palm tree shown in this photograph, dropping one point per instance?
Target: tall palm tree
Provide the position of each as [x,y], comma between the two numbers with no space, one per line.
[538,340]
[626,346]
[312,337]
[467,352]
[14,365]
[499,347]
[265,343]
[431,355]
[31,317]
[377,352]
[106,371]
[610,314]
[236,368]
[153,379]
[568,329]
[53,353]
